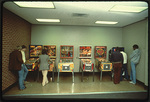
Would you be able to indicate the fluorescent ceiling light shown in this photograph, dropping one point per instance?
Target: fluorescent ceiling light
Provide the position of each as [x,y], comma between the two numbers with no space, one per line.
[122,8]
[35,4]
[105,22]
[48,20]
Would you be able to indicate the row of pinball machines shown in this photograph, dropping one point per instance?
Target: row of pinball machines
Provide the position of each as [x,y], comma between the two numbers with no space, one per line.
[101,63]
[66,63]
[33,62]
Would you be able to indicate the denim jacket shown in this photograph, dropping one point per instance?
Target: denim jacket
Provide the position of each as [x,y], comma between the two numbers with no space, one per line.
[135,56]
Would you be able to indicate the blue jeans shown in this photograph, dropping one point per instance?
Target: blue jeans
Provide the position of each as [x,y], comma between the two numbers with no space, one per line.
[22,76]
[124,68]
[133,73]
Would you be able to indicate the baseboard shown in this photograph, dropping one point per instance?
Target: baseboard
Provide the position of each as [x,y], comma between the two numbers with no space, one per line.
[141,83]
[7,89]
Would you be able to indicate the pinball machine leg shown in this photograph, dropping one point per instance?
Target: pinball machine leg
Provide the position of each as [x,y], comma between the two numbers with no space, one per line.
[112,75]
[34,75]
[93,75]
[82,76]
[53,75]
[58,77]
[37,75]
[101,75]
[73,76]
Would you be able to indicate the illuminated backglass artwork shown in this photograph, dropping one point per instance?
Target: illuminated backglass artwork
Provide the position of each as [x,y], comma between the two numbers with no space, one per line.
[51,50]
[67,51]
[100,51]
[85,51]
[35,50]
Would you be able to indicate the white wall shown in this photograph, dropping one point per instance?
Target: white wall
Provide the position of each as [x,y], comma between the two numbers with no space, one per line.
[76,35]
[146,54]
[137,34]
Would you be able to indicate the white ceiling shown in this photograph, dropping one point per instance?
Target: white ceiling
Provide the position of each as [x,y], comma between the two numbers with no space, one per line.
[94,11]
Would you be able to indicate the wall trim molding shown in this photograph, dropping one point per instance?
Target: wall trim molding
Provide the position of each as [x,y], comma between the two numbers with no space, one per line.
[10,87]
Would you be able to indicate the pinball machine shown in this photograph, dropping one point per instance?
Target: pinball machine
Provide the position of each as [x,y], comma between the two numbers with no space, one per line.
[101,63]
[33,61]
[66,60]
[86,65]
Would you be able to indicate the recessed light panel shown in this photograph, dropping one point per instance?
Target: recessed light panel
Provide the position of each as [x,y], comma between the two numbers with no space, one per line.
[34,4]
[48,20]
[105,22]
[122,8]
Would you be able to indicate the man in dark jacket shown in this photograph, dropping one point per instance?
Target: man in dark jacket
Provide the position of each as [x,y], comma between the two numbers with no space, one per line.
[117,59]
[15,62]
[15,59]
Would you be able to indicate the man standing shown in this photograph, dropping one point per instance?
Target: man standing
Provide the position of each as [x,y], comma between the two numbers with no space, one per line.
[116,59]
[135,57]
[124,66]
[24,70]
[15,64]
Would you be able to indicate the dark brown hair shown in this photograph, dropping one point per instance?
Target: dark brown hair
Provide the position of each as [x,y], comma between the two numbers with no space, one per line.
[135,46]
[44,51]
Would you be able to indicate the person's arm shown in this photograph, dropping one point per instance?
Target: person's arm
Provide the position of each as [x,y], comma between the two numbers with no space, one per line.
[122,59]
[126,57]
[49,60]
[132,54]
[19,57]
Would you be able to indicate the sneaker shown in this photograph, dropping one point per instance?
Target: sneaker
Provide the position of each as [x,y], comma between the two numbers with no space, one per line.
[23,89]
[46,82]
[123,73]
[132,82]
[43,84]
[125,79]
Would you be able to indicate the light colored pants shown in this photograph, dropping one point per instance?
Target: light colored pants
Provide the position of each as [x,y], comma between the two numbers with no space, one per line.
[45,80]
[133,72]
